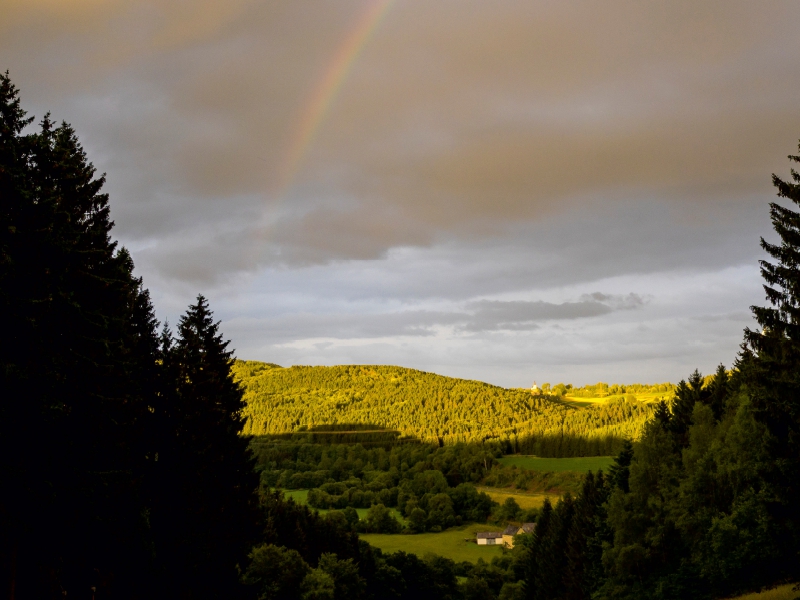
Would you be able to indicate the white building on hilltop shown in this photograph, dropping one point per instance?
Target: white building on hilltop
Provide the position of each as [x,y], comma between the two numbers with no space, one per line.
[534,388]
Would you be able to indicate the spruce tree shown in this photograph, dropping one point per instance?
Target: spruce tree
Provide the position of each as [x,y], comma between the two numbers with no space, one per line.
[770,361]
[619,472]
[536,562]
[554,550]
[78,332]
[584,548]
[206,520]
[718,392]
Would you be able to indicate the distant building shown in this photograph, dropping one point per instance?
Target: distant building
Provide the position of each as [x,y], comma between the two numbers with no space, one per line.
[527,528]
[508,536]
[534,388]
[489,538]
[512,530]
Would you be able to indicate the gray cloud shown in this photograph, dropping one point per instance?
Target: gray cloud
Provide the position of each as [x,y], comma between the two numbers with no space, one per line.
[474,317]
[494,314]
[300,326]
[458,121]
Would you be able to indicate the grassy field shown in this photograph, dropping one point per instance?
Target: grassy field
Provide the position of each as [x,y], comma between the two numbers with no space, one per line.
[581,465]
[301,497]
[525,500]
[783,592]
[450,543]
[579,402]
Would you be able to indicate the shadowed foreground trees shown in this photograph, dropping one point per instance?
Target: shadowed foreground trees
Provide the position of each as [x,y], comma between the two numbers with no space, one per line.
[91,401]
[204,509]
[705,504]
[78,362]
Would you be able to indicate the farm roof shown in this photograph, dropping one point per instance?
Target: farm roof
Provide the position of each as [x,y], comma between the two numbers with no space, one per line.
[486,535]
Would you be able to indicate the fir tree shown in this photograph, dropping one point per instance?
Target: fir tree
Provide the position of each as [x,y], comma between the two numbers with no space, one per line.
[534,571]
[718,391]
[553,558]
[207,520]
[619,472]
[583,548]
[770,361]
[686,394]
[78,333]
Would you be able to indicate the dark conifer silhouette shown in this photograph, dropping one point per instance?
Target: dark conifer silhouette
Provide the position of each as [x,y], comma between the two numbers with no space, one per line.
[718,391]
[78,332]
[770,359]
[206,520]
[583,571]
[619,472]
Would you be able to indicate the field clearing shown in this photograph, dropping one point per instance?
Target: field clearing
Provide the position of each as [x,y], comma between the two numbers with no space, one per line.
[580,465]
[301,497]
[783,592]
[579,402]
[525,500]
[449,543]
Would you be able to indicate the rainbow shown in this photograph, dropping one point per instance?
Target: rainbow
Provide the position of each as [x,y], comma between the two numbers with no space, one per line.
[327,89]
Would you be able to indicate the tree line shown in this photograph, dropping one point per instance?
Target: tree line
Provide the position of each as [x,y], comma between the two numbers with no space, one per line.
[432,486]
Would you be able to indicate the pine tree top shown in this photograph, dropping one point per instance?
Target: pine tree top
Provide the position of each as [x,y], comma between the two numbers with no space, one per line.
[781,321]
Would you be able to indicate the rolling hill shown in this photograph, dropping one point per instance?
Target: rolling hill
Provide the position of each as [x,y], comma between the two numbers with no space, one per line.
[427,406]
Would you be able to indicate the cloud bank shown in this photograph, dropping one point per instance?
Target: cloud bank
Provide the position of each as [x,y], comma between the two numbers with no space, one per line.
[484,169]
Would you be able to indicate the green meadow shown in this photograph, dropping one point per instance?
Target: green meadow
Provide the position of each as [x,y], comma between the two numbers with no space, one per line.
[451,543]
[525,500]
[301,497]
[558,465]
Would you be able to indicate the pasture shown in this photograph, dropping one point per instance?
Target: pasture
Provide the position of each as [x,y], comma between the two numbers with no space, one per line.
[449,543]
[582,402]
[301,497]
[525,500]
[580,465]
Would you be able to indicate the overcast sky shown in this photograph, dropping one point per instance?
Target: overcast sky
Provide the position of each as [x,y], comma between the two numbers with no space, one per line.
[504,191]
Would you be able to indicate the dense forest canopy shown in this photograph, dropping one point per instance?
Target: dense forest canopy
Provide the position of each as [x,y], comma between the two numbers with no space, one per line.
[433,408]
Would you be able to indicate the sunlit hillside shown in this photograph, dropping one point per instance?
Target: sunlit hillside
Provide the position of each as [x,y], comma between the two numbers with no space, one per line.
[430,407]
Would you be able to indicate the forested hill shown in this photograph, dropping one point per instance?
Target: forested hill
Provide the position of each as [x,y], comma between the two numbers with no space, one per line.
[428,406]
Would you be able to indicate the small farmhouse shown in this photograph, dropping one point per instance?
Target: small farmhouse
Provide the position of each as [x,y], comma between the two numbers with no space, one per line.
[512,530]
[489,538]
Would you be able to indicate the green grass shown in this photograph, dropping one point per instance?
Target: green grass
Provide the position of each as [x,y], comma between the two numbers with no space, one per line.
[525,500]
[580,465]
[783,592]
[449,543]
[580,402]
[301,497]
